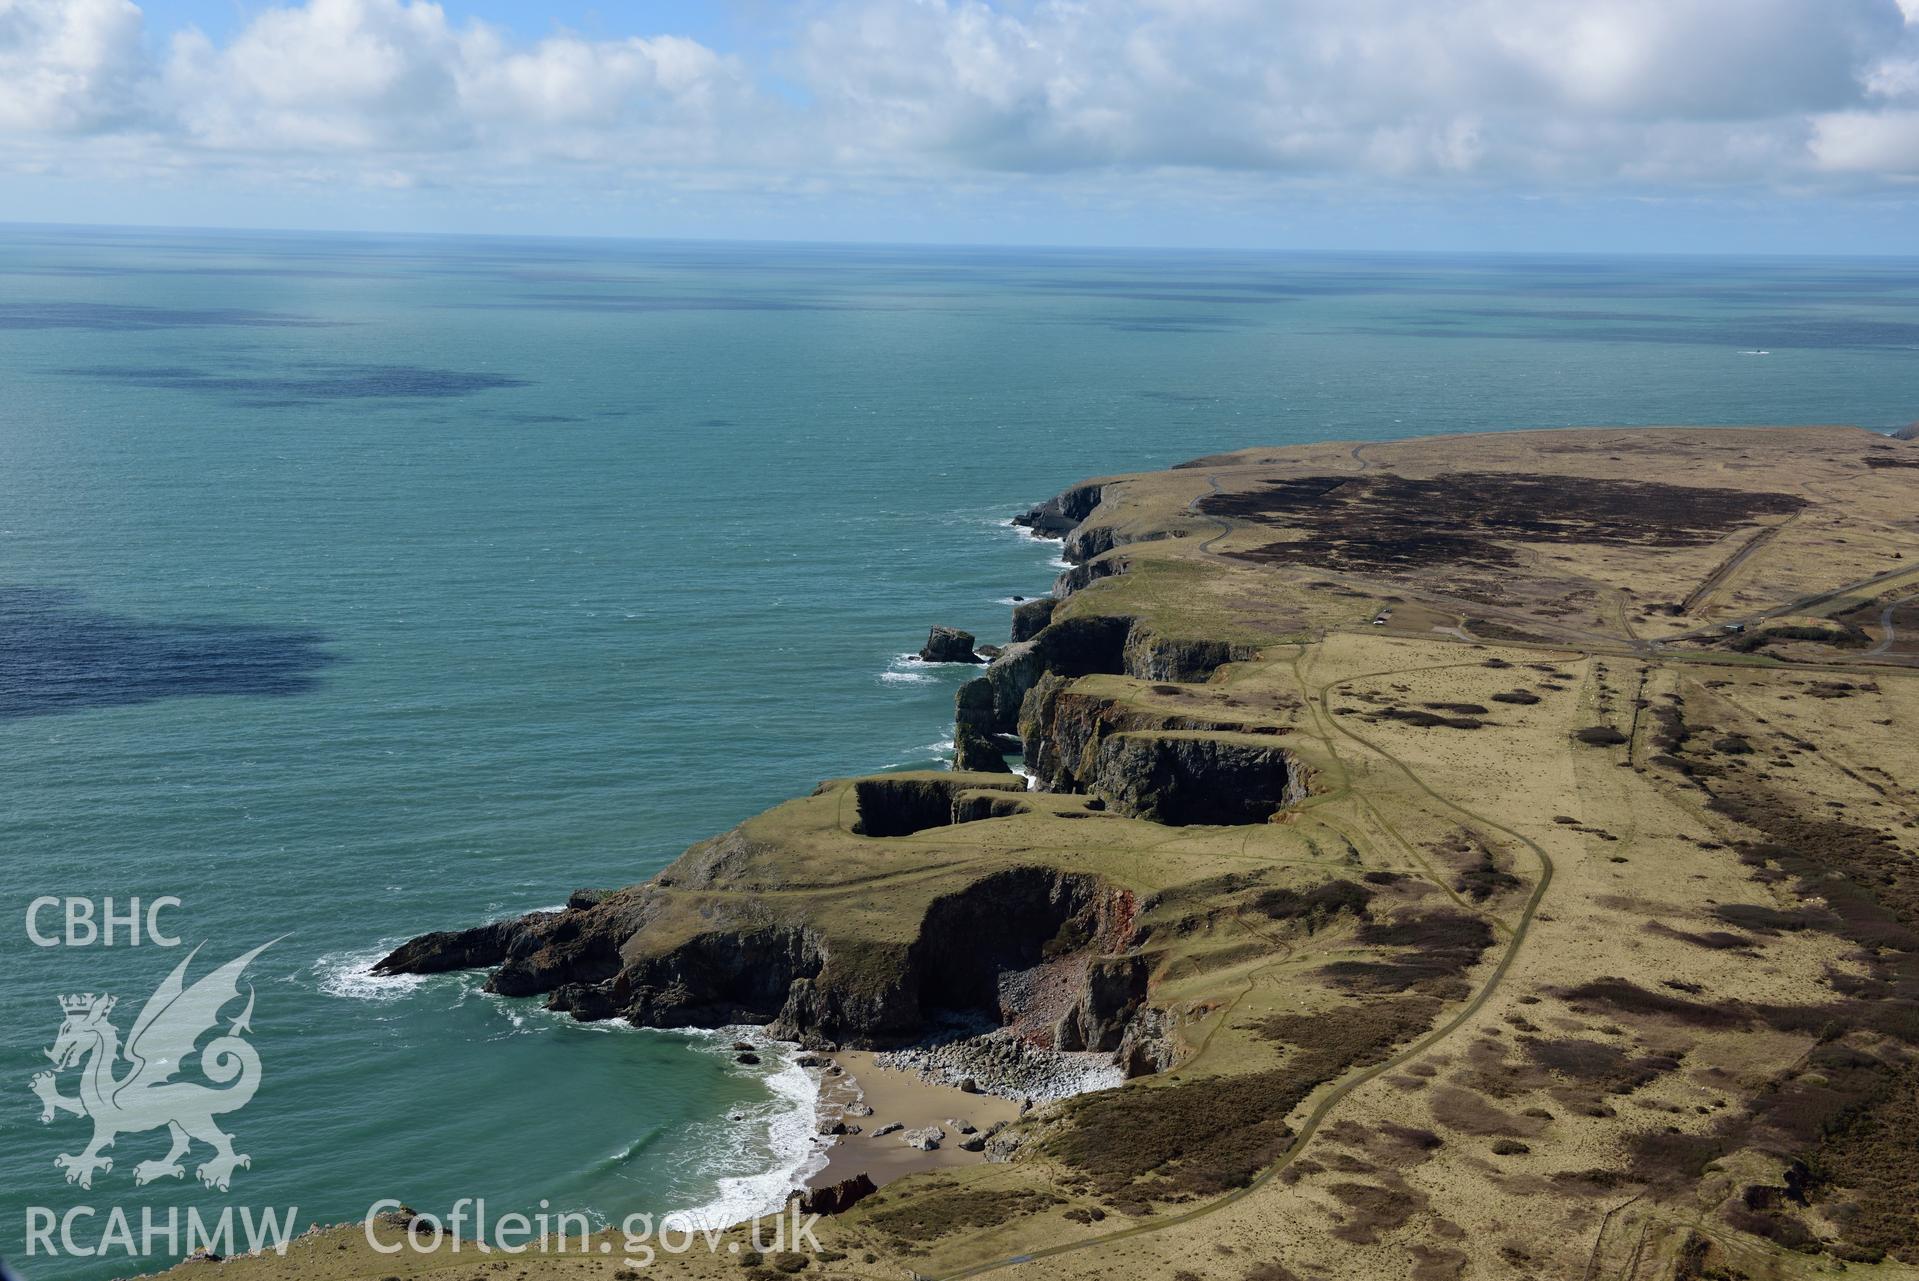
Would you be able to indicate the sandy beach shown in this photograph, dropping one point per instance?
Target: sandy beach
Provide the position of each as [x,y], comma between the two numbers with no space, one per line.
[903,1098]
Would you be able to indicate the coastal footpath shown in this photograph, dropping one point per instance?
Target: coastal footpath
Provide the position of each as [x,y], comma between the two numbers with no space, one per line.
[1479,856]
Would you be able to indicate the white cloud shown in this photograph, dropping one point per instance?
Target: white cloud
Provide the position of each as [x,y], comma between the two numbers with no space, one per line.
[1640,95]
[395,76]
[68,66]
[1526,88]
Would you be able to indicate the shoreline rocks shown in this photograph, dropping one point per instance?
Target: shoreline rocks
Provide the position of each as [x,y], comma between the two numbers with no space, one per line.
[1002,1064]
[948,645]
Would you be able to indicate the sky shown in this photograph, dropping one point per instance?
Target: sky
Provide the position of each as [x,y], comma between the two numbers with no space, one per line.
[1680,126]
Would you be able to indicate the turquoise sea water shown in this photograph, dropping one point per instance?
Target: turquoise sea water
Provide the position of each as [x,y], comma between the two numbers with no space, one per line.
[352,587]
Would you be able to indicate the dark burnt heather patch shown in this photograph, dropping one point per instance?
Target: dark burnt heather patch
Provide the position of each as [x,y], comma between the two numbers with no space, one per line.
[59,655]
[1394,523]
[1424,719]
[1480,876]
[1371,1209]
[1355,1034]
[1842,1119]
[1761,919]
[1866,1167]
[1433,950]
[1314,908]
[1840,1122]
[1189,1139]
[944,1210]
[1623,996]
[1469,1112]
[1174,1142]
[1606,1068]
[1868,882]
[1716,940]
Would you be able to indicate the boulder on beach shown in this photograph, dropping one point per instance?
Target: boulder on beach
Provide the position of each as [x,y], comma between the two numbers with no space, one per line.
[927,1139]
[949,645]
[891,1127]
[858,1109]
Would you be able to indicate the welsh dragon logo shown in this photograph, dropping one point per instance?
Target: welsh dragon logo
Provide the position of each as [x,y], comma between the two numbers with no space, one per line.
[146,1097]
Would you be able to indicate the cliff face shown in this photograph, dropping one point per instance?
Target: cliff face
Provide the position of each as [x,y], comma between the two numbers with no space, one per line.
[1159,764]
[1061,514]
[749,927]
[1184,778]
[1085,643]
[713,941]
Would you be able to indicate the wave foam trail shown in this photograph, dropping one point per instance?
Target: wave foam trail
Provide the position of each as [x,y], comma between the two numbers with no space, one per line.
[350,974]
[786,1126]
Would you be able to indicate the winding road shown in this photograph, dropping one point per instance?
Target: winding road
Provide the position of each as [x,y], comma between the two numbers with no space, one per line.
[1340,1092]
[1885,625]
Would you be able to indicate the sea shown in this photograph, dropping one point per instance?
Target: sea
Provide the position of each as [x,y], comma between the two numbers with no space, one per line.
[356,586]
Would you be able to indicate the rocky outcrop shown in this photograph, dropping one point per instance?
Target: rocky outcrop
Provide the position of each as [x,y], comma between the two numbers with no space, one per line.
[901,804]
[971,958]
[1184,777]
[1070,647]
[1030,617]
[1060,514]
[481,947]
[1091,540]
[948,645]
[1909,432]
[1115,989]
[1063,727]
[1085,574]
[1149,656]
[981,752]
[974,806]
[838,1198]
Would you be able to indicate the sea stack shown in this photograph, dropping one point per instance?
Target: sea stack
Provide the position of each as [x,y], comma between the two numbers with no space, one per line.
[949,645]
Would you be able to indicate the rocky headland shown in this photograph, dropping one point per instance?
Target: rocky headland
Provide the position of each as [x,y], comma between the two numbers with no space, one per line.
[1482,856]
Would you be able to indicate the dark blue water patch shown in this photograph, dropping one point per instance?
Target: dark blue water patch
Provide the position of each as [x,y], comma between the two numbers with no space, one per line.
[59,655]
[310,384]
[1170,324]
[536,420]
[1204,299]
[615,303]
[716,422]
[1178,397]
[127,318]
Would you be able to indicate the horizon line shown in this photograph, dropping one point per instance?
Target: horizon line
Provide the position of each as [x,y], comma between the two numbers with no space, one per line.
[983,246]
